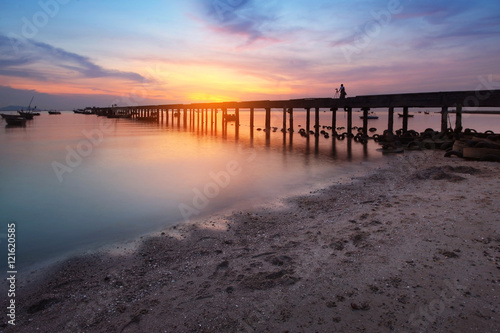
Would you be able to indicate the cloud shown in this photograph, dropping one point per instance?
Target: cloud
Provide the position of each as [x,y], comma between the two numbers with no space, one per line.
[31,59]
[238,17]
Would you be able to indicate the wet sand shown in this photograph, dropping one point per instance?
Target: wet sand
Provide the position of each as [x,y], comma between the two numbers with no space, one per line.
[412,247]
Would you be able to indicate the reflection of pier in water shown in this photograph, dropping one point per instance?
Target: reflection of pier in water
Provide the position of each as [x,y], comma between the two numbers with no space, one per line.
[212,122]
[202,116]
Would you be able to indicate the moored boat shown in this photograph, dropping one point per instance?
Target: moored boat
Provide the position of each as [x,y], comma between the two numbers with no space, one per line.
[14,119]
[26,114]
[87,110]
[29,113]
[54,112]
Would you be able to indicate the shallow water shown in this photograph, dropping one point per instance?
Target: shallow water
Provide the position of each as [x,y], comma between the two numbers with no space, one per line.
[76,182]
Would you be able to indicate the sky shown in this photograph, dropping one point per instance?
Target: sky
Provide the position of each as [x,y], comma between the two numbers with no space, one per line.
[76,53]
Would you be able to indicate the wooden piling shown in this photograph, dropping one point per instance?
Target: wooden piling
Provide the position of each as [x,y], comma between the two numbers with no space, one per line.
[390,125]
[365,120]
[252,111]
[349,120]
[308,120]
[268,120]
[224,122]
[290,110]
[284,120]
[216,112]
[405,119]
[237,123]
[334,119]
[316,121]
[444,119]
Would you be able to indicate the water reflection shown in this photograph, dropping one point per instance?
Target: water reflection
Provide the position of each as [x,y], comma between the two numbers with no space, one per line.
[212,123]
[135,175]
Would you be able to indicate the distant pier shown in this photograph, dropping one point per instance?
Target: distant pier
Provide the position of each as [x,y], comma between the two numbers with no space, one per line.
[476,100]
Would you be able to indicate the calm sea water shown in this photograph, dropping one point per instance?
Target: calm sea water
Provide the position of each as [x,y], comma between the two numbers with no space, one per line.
[77,182]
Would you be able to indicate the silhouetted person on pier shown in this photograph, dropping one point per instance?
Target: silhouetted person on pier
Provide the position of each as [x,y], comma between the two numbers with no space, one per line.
[342,92]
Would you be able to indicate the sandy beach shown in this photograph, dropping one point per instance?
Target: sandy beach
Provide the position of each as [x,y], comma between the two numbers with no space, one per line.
[413,246]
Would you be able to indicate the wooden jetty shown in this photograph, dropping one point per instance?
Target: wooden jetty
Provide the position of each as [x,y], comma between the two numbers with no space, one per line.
[458,100]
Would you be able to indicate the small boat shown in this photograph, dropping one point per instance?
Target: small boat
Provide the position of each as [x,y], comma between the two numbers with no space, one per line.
[426,112]
[14,119]
[369,117]
[29,113]
[26,114]
[409,115]
[54,112]
[84,111]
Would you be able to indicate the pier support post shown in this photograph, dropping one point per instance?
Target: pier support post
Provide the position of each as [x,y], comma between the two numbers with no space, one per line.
[252,118]
[365,120]
[334,120]
[224,122]
[349,120]
[198,119]
[316,121]
[268,121]
[216,112]
[390,125]
[444,119]
[284,120]
[251,122]
[237,123]
[290,110]
[308,120]
[185,117]
[458,119]
[405,119]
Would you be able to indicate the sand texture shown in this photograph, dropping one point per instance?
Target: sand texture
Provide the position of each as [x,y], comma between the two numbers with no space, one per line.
[412,247]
